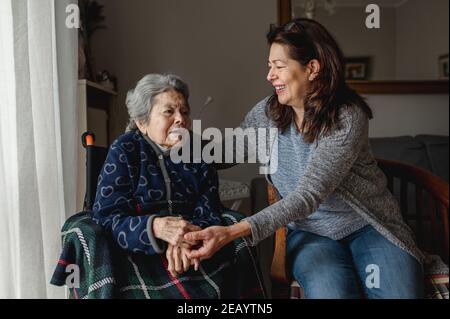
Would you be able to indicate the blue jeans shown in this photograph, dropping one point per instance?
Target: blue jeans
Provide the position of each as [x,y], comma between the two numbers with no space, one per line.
[362,265]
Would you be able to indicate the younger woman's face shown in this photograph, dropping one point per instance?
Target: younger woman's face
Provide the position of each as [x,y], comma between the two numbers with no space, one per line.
[288,76]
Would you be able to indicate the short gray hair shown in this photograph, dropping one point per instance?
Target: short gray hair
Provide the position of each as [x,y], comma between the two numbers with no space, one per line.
[140,100]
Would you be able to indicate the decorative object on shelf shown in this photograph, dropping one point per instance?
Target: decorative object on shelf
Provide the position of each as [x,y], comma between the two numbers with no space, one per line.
[443,67]
[107,80]
[310,6]
[357,68]
[92,19]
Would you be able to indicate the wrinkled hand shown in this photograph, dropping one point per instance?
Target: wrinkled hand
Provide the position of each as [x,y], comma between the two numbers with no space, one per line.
[178,260]
[213,238]
[172,229]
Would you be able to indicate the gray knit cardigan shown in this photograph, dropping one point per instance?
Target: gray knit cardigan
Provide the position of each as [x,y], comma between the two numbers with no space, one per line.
[342,162]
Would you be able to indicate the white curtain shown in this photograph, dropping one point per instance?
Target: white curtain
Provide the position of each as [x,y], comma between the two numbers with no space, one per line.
[38,136]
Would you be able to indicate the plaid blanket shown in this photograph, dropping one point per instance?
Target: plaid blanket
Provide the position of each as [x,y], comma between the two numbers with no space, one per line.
[105,270]
[436,287]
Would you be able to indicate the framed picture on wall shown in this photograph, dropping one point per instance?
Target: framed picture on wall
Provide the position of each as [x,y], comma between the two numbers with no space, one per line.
[443,67]
[357,68]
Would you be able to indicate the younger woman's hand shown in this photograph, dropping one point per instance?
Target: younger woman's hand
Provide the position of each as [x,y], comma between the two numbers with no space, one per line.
[214,238]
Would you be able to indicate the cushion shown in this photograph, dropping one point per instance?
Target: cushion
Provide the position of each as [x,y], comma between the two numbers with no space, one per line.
[437,151]
[402,148]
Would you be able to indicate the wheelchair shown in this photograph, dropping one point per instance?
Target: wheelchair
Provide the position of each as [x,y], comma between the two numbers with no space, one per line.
[106,271]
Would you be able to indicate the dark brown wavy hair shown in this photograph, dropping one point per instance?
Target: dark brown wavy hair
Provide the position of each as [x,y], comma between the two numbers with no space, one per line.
[306,40]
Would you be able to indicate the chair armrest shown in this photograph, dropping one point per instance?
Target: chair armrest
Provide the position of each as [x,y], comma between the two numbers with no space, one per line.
[278,268]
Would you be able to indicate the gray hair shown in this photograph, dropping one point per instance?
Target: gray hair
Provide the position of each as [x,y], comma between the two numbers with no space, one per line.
[140,100]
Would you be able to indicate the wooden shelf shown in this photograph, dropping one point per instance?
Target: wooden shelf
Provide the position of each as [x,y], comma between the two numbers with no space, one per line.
[93,97]
[98,97]
[97,86]
[400,87]
[94,107]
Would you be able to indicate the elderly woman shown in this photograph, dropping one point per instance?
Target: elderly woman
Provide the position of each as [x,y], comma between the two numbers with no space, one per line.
[148,202]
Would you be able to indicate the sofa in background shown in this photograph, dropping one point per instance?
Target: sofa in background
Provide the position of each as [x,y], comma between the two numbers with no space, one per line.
[427,151]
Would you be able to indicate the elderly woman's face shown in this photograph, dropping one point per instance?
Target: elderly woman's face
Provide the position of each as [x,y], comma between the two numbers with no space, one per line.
[169,113]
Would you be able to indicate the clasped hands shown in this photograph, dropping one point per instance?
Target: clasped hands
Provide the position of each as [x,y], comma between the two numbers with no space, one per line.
[172,230]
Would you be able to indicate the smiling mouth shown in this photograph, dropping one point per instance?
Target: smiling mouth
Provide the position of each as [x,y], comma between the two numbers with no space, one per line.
[279,88]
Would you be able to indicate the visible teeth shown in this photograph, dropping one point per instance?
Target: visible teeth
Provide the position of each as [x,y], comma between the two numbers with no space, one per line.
[177,133]
[180,130]
[280,87]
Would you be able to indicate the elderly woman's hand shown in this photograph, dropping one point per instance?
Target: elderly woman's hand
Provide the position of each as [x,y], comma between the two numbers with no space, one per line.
[172,229]
[178,260]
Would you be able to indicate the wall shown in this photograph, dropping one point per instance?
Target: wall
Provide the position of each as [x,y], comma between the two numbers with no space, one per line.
[422,36]
[396,115]
[218,47]
[347,26]
[407,46]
